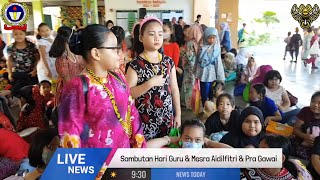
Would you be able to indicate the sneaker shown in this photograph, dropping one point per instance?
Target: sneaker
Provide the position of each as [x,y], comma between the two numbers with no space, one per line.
[314,67]
[305,63]
[284,58]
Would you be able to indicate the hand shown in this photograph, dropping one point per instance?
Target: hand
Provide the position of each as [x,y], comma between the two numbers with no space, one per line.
[33,73]
[174,140]
[309,138]
[179,70]
[10,78]
[49,74]
[266,121]
[177,121]
[157,80]
[280,107]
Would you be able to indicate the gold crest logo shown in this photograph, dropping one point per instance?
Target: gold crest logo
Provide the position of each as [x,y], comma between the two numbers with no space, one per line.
[305,15]
[15,16]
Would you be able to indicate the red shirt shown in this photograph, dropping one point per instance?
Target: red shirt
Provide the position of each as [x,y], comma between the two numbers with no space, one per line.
[173,51]
[12,146]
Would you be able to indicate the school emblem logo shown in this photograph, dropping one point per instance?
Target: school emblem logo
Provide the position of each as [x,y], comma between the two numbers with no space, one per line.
[15,16]
[305,15]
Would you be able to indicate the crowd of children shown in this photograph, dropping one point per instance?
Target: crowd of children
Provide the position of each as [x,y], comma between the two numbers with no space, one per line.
[98,106]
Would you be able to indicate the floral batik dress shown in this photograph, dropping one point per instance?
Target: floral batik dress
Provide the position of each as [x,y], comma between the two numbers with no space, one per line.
[155,106]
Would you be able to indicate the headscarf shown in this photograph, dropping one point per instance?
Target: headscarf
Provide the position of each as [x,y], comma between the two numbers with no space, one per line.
[195,35]
[225,27]
[210,53]
[236,137]
[262,70]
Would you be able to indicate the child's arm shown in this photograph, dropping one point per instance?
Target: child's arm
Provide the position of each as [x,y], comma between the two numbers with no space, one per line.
[9,65]
[42,50]
[286,102]
[175,98]
[211,144]
[298,132]
[315,161]
[161,142]
[136,91]
[276,117]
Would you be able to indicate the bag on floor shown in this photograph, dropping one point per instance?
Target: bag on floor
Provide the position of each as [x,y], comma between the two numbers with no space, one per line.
[196,97]
[293,99]
[246,92]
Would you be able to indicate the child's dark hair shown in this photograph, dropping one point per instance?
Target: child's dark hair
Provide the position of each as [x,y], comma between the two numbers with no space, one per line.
[260,88]
[277,141]
[58,46]
[39,140]
[138,46]
[45,81]
[289,33]
[314,95]
[270,75]
[198,16]
[186,27]
[92,36]
[109,21]
[172,36]
[80,23]
[119,33]
[193,123]
[215,86]
[26,93]
[234,51]
[231,99]
[40,25]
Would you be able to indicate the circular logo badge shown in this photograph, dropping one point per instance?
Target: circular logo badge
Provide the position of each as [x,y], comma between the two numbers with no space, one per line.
[15,14]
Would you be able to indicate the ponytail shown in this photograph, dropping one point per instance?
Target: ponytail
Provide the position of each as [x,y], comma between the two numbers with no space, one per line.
[291,167]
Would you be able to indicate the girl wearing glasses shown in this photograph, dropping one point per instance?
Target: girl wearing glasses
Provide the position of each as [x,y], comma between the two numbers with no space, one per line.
[152,79]
[104,116]
[68,65]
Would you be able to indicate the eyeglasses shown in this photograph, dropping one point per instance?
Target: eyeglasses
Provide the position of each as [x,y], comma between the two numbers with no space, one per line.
[118,48]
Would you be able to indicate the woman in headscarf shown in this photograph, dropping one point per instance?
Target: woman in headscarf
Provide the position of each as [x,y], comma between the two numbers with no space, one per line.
[209,66]
[193,38]
[261,73]
[249,130]
[225,35]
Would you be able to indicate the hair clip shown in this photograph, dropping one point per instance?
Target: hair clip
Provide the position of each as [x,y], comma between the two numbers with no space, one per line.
[149,17]
[214,84]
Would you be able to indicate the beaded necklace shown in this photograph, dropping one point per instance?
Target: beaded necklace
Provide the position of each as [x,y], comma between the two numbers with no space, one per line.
[153,69]
[127,126]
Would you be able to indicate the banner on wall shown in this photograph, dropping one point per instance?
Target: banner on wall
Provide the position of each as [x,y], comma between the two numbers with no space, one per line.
[152,3]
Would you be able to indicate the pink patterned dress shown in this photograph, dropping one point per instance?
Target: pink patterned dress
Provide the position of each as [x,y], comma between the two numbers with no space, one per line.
[96,125]
[65,68]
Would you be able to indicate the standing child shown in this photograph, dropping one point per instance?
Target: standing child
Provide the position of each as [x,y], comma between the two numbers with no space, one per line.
[22,62]
[171,48]
[225,118]
[287,41]
[248,131]
[268,107]
[46,67]
[194,36]
[307,118]
[209,66]
[152,78]
[210,106]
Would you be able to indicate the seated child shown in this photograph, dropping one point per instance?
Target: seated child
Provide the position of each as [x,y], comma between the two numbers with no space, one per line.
[229,67]
[268,107]
[12,150]
[291,169]
[192,136]
[250,71]
[45,91]
[224,119]
[248,131]
[314,166]
[210,105]
[308,118]
[33,111]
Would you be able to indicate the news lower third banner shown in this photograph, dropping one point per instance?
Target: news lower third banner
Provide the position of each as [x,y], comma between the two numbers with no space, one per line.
[197,158]
[75,163]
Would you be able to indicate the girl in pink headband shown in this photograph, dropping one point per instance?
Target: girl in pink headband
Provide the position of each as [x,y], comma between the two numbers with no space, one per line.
[152,79]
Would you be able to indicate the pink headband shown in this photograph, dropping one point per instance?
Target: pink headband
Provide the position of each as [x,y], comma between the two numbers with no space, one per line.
[148,18]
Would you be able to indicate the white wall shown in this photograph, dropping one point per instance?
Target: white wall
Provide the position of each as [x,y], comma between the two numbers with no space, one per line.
[185,5]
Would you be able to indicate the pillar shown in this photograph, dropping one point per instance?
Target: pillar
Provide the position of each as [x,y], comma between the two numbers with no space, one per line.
[228,11]
[89,12]
[37,12]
